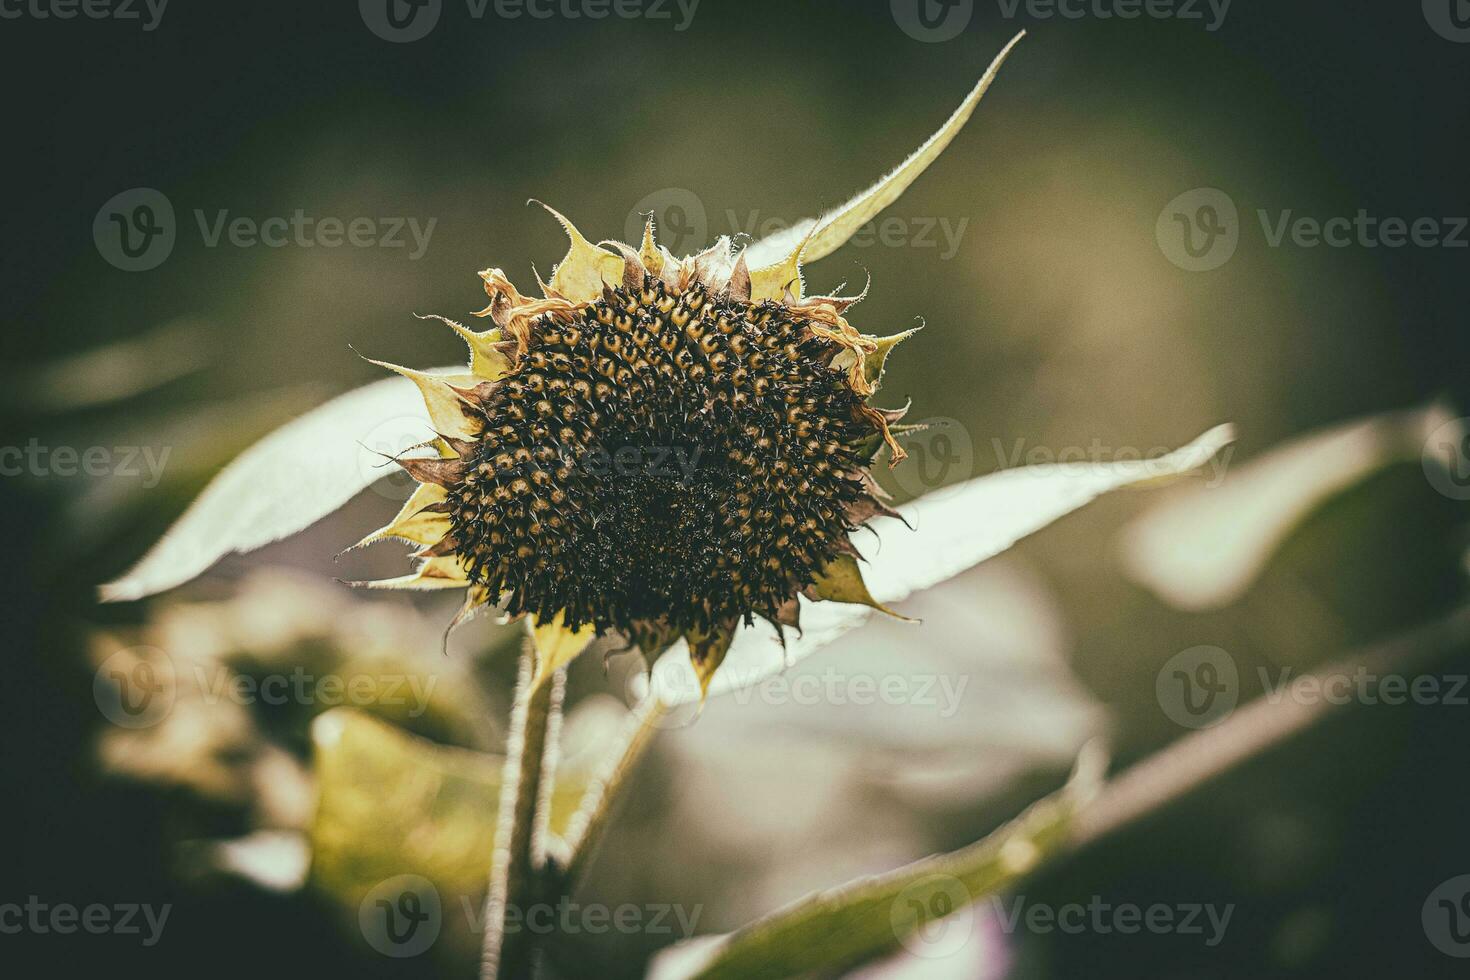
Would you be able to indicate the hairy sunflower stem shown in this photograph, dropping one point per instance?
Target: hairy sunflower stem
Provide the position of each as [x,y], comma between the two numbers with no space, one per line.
[588,824]
[520,835]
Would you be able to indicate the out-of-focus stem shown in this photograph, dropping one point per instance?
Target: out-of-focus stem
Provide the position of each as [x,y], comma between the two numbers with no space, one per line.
[590,821]
[515,876]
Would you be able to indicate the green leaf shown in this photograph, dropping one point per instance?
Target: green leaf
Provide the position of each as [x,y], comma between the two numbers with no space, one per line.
[875,359]
[391,804]
[835,930]
[842,581]
[827,234]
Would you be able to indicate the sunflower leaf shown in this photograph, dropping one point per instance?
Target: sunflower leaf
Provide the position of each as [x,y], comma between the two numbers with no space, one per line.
[290,479]
[853,923]
[1202,548]
[958,527]
[833,230]
[391,803]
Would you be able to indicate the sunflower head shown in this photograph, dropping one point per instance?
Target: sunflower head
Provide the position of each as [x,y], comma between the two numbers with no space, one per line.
[659,448]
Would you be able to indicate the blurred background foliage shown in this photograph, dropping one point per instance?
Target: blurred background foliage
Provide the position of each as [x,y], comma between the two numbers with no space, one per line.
[1056,323]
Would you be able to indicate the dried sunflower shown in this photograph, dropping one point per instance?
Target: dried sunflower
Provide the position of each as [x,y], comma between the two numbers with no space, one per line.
[658,447]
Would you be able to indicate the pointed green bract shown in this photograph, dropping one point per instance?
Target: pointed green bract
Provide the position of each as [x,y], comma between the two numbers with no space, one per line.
[831,232]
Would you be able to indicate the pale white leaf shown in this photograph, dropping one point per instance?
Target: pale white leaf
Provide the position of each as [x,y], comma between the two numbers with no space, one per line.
[1204,548]
[290,479]
[960,526]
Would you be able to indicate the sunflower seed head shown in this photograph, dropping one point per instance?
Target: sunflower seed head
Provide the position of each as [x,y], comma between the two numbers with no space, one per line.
[666,459]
